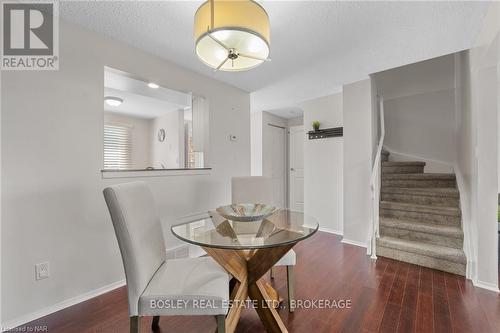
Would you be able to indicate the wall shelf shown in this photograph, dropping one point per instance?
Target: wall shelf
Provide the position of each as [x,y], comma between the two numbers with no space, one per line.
[326,133]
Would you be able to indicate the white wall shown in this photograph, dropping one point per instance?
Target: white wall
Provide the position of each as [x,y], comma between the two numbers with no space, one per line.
[141,137]
[275,160]
[484,62]
[296,121]
[260,136]
[323,164]
[376,126]
[267,151]
[201,136]
[264,146]
[407,118]
[256,143]
[422,77]
[168,154]
[465,164]
[420,97]
[261,141]
[52,155]
[477,139]
[357,116]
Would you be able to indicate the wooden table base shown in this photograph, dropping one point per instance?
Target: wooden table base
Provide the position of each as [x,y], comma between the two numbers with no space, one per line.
[247,267]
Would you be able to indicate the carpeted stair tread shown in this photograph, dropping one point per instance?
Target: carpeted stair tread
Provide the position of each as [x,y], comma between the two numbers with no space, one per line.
[429,191]
[402,167]
[431,228]
[410,207]
[419,176]
[392,163]
[429,250]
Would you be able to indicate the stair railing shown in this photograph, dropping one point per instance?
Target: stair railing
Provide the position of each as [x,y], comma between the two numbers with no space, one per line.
[375,183]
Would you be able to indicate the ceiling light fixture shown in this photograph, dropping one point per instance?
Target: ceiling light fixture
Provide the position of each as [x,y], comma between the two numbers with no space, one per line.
[232,35]
[113,101]
[153,85]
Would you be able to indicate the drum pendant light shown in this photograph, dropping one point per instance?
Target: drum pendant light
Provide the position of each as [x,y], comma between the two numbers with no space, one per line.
[231,35]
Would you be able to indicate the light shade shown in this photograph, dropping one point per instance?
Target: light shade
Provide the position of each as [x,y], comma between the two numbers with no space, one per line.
[231,35]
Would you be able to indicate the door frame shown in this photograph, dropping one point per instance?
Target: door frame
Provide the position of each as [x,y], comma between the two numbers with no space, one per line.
[289,162]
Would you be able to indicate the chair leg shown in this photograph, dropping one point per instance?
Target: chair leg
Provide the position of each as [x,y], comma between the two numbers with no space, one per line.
[221,323]
[291,285]
[135,324]
[271,271]
[155,324]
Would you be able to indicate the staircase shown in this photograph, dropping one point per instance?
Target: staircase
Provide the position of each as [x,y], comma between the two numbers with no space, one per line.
[420,218]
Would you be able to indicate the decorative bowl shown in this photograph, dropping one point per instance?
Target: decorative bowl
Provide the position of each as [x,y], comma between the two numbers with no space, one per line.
[246,212]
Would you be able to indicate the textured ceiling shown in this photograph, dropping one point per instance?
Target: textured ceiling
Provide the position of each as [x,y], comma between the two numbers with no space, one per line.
[316,46]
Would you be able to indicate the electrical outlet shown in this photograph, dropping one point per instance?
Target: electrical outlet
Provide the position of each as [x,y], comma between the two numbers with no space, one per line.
[42,271]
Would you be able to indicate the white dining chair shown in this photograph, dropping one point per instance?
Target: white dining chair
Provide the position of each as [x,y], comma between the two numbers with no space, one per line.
[156,286]
[259,189]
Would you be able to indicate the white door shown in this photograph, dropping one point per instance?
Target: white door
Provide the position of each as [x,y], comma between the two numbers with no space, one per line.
[278,164]
[297,137]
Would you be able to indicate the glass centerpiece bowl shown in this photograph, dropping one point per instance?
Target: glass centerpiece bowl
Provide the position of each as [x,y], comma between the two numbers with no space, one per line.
[246,212]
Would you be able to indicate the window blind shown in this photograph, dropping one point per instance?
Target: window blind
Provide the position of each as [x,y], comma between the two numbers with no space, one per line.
[117,146]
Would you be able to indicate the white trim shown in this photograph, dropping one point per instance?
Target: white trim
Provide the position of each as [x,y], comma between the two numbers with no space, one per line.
[61,305]
[287,164]
[468,245]
[291,129]
[371,247]
[330,231]
[486,285]
[352,242]
[154,173]
[375,181]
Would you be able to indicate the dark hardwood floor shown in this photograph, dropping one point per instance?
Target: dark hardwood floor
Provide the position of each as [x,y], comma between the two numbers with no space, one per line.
[386,296]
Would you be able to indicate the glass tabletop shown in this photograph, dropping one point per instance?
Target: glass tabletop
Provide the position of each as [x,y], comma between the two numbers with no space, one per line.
[281,228]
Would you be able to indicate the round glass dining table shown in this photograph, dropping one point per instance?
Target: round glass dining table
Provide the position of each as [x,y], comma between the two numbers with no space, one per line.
[247,250]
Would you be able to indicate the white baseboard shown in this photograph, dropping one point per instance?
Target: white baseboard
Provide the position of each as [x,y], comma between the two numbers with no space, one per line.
[486,285]
[468,239]
[331,231]
[60,306]
[327,230]
[181,251]
[352,242]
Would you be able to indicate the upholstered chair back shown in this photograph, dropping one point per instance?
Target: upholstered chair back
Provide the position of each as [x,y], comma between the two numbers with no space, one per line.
[139,234]
[253,189]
